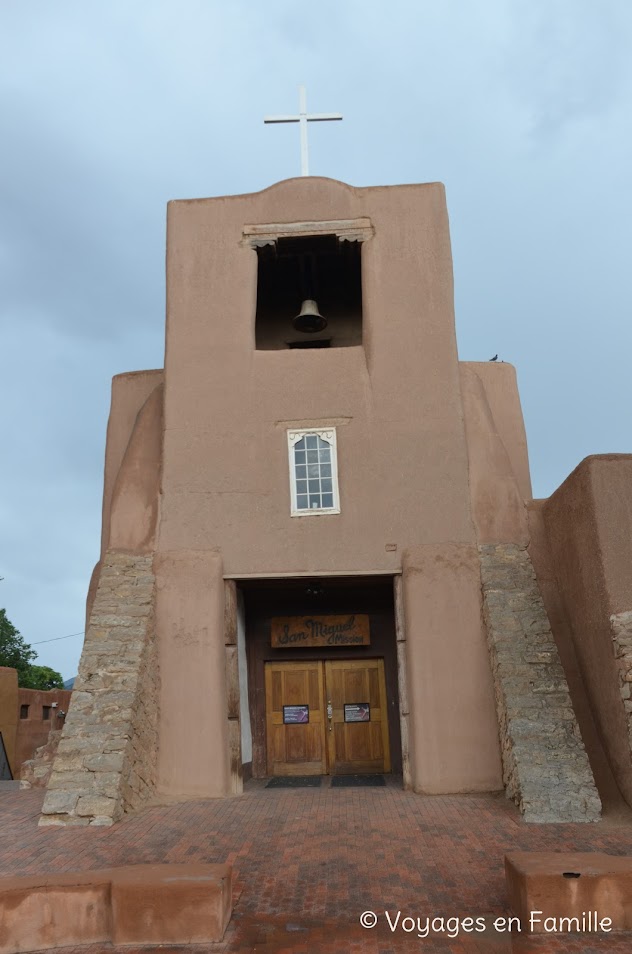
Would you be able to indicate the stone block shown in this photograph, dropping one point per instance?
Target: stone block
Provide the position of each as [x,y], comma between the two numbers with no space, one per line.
[96,805]
[63,819]
[57,803]
[112,762]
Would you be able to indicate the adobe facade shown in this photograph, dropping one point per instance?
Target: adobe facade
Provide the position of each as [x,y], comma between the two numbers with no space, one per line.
[318,546]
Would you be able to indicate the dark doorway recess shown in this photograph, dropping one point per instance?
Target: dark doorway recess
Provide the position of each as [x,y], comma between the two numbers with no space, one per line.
[318,596]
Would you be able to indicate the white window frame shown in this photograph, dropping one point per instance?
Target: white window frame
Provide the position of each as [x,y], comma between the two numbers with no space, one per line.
[327,434]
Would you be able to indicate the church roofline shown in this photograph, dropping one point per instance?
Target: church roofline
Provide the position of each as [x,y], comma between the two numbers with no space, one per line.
[283,183]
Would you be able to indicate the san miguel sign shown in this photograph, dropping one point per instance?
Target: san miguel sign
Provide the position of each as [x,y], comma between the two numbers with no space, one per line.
[289,632]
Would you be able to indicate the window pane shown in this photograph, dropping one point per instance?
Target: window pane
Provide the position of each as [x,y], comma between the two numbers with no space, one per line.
[313,473]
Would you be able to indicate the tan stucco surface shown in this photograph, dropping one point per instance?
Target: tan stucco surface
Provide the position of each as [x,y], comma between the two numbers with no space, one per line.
[396,400]
[588,522]
[135,498]
[545,570]
[498,507]
[453,728]
[193,754]
[129,393]
[501,390]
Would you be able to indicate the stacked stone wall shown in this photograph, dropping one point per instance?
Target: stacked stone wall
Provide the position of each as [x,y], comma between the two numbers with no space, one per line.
[621,629]
[35,772]
[107,755]
[545,765]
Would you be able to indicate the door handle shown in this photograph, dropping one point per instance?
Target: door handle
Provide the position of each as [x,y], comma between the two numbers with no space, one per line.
[330,713]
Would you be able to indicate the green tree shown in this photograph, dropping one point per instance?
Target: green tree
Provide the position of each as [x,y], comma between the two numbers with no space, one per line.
[42,677]
[17,654]
[14,652]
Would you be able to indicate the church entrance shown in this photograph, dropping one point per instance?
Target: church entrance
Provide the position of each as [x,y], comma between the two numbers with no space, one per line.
[319,677]
[326,718]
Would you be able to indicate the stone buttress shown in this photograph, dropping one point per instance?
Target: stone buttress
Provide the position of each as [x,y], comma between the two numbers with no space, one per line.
[545,765]
[106,760]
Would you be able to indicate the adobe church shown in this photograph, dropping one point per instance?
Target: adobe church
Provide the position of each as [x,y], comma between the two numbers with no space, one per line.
[320,554]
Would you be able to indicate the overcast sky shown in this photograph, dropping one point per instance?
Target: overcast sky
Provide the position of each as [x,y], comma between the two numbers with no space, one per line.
[110,109]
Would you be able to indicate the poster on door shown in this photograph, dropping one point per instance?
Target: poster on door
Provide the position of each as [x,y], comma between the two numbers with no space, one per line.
[295,715]
[358,712]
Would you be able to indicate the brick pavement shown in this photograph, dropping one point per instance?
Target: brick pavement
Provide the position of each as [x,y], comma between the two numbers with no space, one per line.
[308,862]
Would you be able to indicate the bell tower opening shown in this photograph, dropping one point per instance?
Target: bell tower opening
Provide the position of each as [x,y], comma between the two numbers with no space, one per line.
[309,293]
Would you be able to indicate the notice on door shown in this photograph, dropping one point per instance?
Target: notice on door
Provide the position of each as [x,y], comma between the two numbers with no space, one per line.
[289,632]
[295,715]
[358,712]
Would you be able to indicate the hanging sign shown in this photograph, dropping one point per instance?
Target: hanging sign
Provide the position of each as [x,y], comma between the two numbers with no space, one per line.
[289,632]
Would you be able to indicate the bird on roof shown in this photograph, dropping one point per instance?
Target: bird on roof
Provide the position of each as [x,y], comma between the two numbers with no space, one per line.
[495,358]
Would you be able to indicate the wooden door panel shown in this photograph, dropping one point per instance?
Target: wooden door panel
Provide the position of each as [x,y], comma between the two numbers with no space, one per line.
[357,747]
[295,749]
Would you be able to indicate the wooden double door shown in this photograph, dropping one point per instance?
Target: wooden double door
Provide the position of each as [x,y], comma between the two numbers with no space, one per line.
[326,717]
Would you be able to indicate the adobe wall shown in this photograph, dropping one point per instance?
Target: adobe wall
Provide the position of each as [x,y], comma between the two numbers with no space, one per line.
[129,393]
[499,482]
[193,755]
[545,570]
[135,496]
[588,523]
[133,455]
[9,713]
[453,729]
[33,730]
[395,400]
[500,385]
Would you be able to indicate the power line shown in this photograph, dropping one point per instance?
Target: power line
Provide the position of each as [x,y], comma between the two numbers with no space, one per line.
[57,638]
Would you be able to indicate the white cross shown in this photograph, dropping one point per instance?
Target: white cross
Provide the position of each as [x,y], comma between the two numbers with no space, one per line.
[303,118]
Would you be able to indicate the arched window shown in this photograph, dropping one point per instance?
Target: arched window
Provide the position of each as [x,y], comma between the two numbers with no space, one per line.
[313,472]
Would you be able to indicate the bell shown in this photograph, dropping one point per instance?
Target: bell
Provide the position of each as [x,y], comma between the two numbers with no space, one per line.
[309,319]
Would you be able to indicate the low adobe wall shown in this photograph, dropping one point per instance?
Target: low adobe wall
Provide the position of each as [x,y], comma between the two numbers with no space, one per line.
[588,523]
[139,904]
[563,892]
